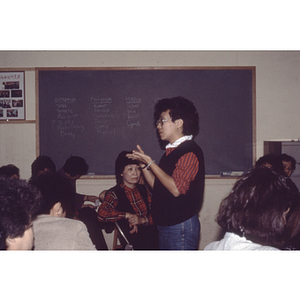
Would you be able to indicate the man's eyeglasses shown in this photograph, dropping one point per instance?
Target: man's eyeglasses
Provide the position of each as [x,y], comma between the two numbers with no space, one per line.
[162,121]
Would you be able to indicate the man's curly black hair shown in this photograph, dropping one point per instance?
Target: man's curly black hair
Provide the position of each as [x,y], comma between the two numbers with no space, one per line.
[180,108]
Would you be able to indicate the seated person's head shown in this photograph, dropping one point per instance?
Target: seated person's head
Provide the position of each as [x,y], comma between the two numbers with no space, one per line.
[270,160]
[289,164]
[19,203]
[58,195]
[179,108]
[42,164]
[258,207]
[75,167]
[127,171]
[10,171]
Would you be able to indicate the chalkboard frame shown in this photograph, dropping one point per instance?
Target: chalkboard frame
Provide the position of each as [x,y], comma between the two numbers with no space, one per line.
[103,176]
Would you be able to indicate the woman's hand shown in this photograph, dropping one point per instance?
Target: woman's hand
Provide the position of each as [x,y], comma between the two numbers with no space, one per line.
[131,220]
[134,230]
[135,219]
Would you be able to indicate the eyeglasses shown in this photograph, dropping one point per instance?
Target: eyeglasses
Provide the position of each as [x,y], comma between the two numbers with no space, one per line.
[289,169]
[162,121]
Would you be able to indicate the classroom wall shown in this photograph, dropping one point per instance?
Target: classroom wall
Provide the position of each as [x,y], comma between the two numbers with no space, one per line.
[277,105]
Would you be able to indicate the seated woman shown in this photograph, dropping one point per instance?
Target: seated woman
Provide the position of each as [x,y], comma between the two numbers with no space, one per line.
[129,203]
[53,229]
[19,203]
[256,215]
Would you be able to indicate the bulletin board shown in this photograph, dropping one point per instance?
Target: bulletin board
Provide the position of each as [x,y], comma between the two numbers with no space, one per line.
[12,96]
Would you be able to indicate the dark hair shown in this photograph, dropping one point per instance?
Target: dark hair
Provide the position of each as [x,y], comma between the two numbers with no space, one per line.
[255,207]
[55,188]
[75,165]
[273,160]
[293,226]
[287,158]
[9,171]
[41,163]
[180,108]
[121,162]
[19,204]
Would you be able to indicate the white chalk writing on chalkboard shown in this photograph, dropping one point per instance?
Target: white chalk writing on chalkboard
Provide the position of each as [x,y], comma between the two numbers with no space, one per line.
[132,115]
[64,100]
[102,115]
[66,118]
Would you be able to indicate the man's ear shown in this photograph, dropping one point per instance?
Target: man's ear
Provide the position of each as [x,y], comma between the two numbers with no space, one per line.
[56,210]
[179,123]
[10,241]
[13,243]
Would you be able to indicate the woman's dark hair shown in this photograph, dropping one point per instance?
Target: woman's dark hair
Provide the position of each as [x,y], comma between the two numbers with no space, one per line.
[256,205]
[75,165]
[55,188]
[19,204]
[180,108]
[273,160]
[9,171]
[121,162]
[41,163]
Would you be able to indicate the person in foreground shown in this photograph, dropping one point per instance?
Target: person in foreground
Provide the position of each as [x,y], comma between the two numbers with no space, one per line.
[259,213]
[53,229]
[19,203]
[178,179]
[72,170]
[129,204]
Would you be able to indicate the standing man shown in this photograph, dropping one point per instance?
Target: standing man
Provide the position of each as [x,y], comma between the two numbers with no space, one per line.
[178,179]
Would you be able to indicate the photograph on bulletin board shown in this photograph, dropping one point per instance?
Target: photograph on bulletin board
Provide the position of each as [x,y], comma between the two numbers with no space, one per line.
[12,96]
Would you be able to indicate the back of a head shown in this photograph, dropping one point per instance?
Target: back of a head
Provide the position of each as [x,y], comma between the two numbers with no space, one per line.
[19,203]
[55,188]
[270,160]
[75,165]
[10,171]
[180,108]
[41,163]
[121,162]
[256,206]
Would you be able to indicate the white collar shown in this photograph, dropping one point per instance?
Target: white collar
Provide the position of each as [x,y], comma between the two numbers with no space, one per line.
[179,141]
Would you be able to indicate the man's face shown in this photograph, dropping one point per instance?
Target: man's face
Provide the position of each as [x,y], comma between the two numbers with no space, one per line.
[287,165]
[167,129]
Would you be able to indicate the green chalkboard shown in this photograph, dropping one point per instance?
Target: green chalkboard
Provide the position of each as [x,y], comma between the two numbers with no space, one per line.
[97,113]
